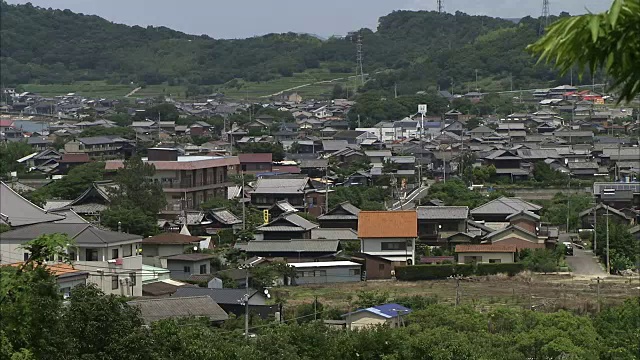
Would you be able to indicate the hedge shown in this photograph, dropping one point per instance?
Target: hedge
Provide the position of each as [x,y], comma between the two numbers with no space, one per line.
[443,271]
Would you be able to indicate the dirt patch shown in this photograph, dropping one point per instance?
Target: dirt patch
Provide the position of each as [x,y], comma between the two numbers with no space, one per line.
[539,291]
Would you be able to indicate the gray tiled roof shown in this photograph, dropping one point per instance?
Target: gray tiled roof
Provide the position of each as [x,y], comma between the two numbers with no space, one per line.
[179,307]
[443,212]
[220,296]
[505,205]
[225,217]
[293,246]
[335,233]
[20,211]
[83,234]
[334,145]
[280,186]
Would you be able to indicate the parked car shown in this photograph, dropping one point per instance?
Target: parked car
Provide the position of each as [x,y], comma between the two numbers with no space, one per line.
[568,248]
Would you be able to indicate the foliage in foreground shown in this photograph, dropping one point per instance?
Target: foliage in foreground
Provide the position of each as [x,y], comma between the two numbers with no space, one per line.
[36,325]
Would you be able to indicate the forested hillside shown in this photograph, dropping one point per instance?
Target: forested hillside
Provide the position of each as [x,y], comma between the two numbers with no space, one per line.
[414,49]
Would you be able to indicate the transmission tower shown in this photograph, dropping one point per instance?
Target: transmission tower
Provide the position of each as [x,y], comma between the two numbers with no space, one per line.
[359,67]
[544,21]
[440,6]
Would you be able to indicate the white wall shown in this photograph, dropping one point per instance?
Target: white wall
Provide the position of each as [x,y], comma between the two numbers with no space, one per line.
[503,257]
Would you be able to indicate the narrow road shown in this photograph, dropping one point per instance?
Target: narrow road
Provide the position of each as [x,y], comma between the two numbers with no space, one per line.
[583,263]
[407,203]
[133,92]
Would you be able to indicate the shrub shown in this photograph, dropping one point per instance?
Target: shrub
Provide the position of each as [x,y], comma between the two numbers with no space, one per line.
[443,271]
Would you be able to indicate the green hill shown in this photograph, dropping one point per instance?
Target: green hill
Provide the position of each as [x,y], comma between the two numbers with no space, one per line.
[416,50]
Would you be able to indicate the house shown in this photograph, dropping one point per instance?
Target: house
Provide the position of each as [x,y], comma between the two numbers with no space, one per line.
[389,234]
[388,314]
[69,161]
[101,146]
[91,202]
[156,249]
[67,277]
[342,234]
[437,223]
[285,227]
[575,136]
[314,168]
[499,209]
[353,137]
[111,258]
[229,299]
[523,231]
[326,272]
[183,266]
[187,181]
[152,310]
[294,250]
[481,131]
[296,191]
[162,288]
[256,163]
[617,195]
[375,267]
[331,146]
[345,215]
[488,253]
[600,213]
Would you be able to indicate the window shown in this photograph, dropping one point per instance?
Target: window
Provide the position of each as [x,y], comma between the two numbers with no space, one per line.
[300,273]
[66,292]
[114,253]
[320,273]
[494,261]
[354,272]
[187,269]
[127,250]
[381,267]
[203,269]
[91,255]
[114,282]
[132,279]
[26,256]
[72,255]
[401,245]
[309,274]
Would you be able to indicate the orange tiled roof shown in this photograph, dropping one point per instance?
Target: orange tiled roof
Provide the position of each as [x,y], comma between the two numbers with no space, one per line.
[486,248]
[57,269]
[388,224]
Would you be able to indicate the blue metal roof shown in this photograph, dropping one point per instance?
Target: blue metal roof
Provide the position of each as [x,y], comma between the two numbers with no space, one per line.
[387,311]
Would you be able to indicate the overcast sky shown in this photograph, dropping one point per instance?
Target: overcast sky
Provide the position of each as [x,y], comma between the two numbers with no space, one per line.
[245,18]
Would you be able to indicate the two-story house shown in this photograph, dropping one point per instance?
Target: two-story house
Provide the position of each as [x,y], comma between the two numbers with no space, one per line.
[299,192]
[345,215]
[256,163]
[101,146]
[390,235]
[156,249]
[187,181]
[437,223]
[111,258]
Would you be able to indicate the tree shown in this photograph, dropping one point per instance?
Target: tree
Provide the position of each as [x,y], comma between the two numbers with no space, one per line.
[623,248]
[544,173]
[609,40]
[135,200]
[10,152]
[79,179]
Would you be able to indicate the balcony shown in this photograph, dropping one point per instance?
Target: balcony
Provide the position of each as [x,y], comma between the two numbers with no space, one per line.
[188,185]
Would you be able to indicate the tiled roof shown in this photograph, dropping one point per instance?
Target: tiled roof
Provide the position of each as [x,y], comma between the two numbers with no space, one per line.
[74,158]
[490,248]
[388,224]
[334,234]
[171,238]
[225,217]
[220,296]
[197,163]
[179,307]
[59,270]
[256,158]
[443,212]
[293,246]
[83,234]
[505,205]
[20,211]
[280,186]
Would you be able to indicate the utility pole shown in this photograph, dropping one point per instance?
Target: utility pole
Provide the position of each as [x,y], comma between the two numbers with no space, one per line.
[477,89]
[244,226]
[598,292]
[440,6]
[457,290]
[326,188]
[608,264]
[595,228]
[395,90]
[315,308]
[246,305]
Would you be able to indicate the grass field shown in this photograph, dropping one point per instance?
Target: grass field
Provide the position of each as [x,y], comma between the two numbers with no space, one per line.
[547,292]
[250,90]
